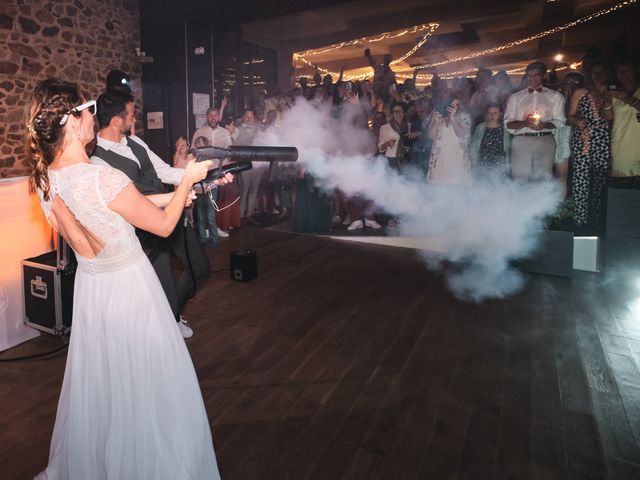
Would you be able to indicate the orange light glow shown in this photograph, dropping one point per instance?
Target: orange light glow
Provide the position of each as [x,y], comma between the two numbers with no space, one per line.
[25,233]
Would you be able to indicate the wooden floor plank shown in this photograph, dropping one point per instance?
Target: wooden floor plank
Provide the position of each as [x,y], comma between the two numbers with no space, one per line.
[548,452]
[353,430]
[617,438]
[352,361]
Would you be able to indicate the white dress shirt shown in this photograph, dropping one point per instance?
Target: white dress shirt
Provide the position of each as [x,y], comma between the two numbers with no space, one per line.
[217,137]
[246,133]
[549,104]
[166,173]
[388,133]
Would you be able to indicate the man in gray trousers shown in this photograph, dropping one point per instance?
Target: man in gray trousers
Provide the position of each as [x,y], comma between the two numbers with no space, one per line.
[531,116]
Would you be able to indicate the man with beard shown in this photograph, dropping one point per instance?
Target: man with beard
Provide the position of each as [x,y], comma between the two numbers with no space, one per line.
[116,147]
[216,136]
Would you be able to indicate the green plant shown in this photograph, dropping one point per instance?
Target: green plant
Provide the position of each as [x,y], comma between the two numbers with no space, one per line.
[562,217]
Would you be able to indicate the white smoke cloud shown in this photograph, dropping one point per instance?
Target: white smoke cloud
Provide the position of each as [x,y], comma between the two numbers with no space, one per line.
[482,227]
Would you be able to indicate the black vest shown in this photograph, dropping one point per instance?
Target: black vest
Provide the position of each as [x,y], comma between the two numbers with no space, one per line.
[144,176]
[146,180]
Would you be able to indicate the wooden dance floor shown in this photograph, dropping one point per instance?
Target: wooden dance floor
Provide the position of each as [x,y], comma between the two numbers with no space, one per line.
[353,361]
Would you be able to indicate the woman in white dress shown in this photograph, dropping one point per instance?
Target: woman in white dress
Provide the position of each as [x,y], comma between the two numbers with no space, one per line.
[450,132]
[130,406]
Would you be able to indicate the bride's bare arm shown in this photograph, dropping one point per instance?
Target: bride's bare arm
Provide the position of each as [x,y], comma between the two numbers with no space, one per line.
[160,199]
[140,212]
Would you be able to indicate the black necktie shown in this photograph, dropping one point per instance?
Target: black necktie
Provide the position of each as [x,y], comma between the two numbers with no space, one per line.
[539,90]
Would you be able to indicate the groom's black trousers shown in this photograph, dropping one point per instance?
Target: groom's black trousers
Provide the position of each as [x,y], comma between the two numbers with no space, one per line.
[160,251]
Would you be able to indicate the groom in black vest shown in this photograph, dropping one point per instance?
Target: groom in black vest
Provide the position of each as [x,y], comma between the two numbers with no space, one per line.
[119,149]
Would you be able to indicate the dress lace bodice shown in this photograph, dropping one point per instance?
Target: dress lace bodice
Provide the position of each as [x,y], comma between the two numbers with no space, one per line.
[86,190]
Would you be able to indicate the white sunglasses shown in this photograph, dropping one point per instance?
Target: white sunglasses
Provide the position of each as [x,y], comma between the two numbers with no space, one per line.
[91,105]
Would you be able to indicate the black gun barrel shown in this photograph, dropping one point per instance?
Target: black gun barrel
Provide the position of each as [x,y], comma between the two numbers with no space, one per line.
[209,153]
[265,154]
[242,152]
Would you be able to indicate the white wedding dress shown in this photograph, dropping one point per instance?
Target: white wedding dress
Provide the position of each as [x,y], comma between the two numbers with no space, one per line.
[130,406]
[449,162]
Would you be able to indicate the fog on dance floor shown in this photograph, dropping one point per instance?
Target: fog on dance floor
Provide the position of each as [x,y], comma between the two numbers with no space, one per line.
[482,226]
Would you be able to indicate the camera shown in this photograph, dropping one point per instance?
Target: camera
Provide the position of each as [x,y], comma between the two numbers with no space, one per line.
[441,108]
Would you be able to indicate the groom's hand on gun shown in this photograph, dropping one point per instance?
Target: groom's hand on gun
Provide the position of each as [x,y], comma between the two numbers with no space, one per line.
[225,179]
[196,172]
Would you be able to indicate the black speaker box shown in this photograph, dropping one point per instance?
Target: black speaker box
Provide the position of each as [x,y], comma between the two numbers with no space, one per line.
[47,293]
[244,265]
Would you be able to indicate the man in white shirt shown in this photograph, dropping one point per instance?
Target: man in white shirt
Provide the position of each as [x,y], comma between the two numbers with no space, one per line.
[531,116]
[250,179]
[128,153]
[216,136]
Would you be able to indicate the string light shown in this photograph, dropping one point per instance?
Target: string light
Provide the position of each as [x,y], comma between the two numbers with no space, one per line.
[470,72]
[537,36]
[304,60]
[431,26]
[358,41]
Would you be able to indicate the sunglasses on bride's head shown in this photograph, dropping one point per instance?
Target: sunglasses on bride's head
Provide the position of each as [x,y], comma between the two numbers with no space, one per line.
[91,105]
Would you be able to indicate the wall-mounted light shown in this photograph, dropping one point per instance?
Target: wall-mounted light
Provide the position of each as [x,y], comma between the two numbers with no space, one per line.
[558,58]
[199,50]
[142,56]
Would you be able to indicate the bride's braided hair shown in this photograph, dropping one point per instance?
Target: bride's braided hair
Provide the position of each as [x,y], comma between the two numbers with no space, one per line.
[51,100]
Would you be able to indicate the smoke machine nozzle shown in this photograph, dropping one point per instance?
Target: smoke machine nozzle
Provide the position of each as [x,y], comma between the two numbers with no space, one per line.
[241,152]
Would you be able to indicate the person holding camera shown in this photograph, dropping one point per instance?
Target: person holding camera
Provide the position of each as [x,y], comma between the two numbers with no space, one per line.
[449,131]
[118,149]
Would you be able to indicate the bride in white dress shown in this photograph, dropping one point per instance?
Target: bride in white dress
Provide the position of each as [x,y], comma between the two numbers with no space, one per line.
[130,406]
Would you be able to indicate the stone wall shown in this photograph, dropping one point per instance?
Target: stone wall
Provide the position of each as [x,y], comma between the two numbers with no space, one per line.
[75,40]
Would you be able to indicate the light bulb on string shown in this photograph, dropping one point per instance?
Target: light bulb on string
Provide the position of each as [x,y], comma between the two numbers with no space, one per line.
[477,54]
[537,36]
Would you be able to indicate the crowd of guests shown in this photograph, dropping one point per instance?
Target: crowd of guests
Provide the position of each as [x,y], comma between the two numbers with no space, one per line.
[580,128]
